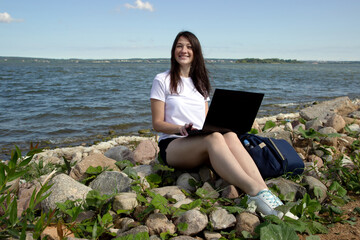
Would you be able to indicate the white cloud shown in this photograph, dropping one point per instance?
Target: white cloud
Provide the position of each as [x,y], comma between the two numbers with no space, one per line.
[6,18]
[140,5]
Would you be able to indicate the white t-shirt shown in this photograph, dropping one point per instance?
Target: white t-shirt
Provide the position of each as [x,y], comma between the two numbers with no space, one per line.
[188,106]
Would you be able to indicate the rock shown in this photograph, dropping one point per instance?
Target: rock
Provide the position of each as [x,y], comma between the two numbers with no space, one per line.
[133,231]
[184,238]
[211,235]
[355,114]
[110,182]
[246,222]
[211,193]
[286,187]
[279,135]
[125,201]
[146,152]
[123,224]
[330,141]
[103,146]
[288,127]
[298,126]
[25,191]
[64,188]
[316,160]
[158,223]
[206,174]
[79,170]
[195,220]
[230,192]
[256,126]
[311,183]
[354,127]
[315,124]
[120,153]
[335,121]
[341,106]
[170,192]
[181,202]
[51,233]
[144,170]
[221,219]
[183,182]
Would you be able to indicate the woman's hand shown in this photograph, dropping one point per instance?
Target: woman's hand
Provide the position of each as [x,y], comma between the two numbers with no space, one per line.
[184,129]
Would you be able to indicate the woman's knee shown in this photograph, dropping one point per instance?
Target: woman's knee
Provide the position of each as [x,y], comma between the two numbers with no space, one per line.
[232,140]
[215,138]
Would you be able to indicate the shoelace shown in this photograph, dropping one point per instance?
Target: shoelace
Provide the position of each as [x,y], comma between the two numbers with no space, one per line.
[270,198]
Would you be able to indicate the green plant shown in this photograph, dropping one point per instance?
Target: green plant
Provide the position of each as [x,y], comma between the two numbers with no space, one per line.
[312,134]
[30,219]
[92,173]
[269,124]
[95,227]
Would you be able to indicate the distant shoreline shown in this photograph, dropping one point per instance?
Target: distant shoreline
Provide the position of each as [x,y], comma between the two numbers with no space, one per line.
[165,60]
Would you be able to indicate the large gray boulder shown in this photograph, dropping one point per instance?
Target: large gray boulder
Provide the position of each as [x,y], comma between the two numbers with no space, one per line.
[64,188]
[341,106]
[111,182]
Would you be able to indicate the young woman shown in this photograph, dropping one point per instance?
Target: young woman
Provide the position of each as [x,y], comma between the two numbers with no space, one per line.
[179,101]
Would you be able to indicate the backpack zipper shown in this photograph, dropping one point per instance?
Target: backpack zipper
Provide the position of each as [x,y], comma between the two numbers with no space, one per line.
[282,157]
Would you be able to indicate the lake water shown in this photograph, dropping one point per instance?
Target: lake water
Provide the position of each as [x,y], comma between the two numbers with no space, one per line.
[65,102]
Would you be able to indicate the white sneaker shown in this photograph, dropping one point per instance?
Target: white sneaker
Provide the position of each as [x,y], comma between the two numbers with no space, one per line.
[266,203]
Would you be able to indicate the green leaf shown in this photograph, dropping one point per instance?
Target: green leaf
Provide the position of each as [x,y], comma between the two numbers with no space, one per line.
[234,209]
[253,131]
[161,203]
[161,167]
[182,226]
[15,175]
[131,173]
[335,209]
[318,192]
[141,236]
[268,125]
[94,170]
[13,212]
[316,228]
[153,179]
[336,187]
[25,162]
[277,232]
[357,210]
[94,231]
[107,219]
[192,205]
[123,164]
[202,193]
[313,237]
[2,175]
[15,155]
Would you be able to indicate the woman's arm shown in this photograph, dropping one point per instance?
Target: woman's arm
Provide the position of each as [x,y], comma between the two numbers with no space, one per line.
[158,118]
[206,107]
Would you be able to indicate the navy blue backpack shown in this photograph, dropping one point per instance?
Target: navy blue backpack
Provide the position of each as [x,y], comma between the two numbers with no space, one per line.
[273,157]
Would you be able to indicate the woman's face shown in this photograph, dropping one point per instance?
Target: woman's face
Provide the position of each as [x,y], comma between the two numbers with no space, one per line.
[183,52]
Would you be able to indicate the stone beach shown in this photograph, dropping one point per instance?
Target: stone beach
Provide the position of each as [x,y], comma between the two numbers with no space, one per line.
[326,117]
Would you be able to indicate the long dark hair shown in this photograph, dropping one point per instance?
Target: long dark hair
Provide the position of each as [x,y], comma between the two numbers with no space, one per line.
[198,71]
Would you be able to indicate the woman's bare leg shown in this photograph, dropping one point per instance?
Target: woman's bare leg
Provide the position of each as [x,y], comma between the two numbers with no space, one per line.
[243,157]
[193,151]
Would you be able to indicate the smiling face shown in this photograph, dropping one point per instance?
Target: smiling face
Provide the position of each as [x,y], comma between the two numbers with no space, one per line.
[183,52]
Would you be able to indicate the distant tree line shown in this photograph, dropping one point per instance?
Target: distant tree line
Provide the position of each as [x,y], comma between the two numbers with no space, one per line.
[267,60]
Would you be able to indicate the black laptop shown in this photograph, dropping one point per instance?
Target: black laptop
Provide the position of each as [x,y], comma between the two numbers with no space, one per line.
[231,110]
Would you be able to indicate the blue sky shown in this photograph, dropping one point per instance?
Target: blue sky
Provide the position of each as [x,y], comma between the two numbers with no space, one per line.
[120,29]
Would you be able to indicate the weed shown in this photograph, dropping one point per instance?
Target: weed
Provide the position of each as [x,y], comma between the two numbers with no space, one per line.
[11,224]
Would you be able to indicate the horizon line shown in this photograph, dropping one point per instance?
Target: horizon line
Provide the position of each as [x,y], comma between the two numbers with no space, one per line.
[168,58]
